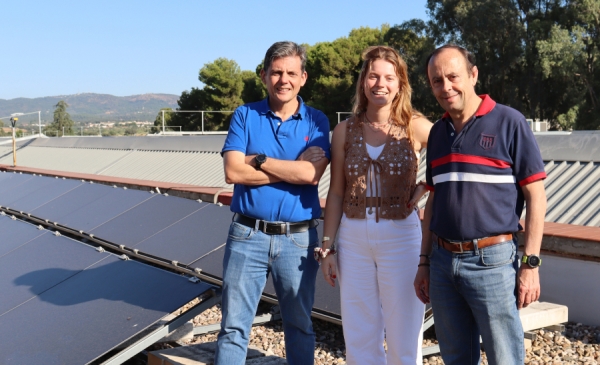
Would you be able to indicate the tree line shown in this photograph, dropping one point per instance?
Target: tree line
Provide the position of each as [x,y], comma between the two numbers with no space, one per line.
[539,56]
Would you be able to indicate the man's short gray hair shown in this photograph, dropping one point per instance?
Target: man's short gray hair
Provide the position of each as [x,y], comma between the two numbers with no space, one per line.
[284,49]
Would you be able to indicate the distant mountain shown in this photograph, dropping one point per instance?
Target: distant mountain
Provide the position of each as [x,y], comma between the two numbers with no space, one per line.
[89,107]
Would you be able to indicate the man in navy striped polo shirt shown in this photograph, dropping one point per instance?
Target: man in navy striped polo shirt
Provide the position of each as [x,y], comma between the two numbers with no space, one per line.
[483,163]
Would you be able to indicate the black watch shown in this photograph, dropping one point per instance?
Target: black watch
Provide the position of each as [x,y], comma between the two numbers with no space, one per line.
[259,160]
[532,260]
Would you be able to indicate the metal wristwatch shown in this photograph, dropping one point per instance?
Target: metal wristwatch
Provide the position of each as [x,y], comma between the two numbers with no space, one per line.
[259,160]
[532,260]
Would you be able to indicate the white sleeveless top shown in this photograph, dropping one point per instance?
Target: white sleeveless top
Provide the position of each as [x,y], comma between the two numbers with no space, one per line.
[373,152]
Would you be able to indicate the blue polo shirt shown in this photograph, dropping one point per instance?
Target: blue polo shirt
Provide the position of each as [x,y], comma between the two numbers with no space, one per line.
[477,174]
[255,129]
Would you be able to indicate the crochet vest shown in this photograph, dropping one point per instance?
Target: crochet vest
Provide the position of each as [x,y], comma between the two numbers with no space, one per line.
[395,168]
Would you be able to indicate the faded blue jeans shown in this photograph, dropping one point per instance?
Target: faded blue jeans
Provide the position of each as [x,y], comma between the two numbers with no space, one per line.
[474,294]
[250,255]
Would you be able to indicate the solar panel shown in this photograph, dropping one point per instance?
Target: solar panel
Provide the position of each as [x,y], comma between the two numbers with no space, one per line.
[65,303]
[191,238]
[171,228]
[56,257]
[212,264]
[90,205]
[13,238]
[327,299]
[145,220]
[35,191]
[9,181]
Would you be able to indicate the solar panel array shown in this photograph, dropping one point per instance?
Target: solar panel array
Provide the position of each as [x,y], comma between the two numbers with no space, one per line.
[183,234]
[64,302]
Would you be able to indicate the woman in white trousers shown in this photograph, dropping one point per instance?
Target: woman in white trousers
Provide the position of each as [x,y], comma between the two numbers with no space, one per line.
[371,207]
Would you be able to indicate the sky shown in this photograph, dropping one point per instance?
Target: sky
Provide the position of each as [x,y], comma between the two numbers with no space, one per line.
[131,47]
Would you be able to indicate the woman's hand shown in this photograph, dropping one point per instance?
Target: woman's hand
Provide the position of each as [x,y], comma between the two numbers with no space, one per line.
[421,284]
[420,190]
[329,269]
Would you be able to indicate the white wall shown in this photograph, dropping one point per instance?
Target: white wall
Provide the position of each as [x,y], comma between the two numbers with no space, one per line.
[574,283]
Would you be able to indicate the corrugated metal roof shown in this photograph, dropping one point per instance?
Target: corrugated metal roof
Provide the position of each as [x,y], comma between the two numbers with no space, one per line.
[82,160]
[193,168]
[199,143]
[573,192]
[572,164]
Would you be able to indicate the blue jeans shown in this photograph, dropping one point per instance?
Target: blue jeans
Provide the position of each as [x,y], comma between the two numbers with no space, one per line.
[474,294]
[250,255]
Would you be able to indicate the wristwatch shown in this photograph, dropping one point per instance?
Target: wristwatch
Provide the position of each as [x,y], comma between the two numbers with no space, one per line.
[532,260]
[259,160]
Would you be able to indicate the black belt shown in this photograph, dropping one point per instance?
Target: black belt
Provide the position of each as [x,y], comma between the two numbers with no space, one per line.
[275,228]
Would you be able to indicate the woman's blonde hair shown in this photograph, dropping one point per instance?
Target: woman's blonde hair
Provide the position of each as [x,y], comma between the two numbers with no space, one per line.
[401,113]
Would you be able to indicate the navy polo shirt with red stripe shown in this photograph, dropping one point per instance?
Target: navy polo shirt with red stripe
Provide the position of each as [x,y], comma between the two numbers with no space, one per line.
[477,174]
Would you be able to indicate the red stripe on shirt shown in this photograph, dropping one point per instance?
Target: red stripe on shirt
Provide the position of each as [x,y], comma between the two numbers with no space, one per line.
[476,160]
[532,178]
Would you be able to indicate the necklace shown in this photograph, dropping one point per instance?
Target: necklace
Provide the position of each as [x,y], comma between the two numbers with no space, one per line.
[377,127]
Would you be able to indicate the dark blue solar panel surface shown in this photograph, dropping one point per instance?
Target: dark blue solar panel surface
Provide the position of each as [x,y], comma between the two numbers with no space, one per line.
[9,181]
[14,235]
[212,264]
[69,304]
[145,220]
[57,257]
[191,238]
[35,192]
[171,228]
[327,299]
[90,205]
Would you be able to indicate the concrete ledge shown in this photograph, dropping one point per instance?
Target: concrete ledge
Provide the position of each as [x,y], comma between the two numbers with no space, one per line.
[572,246]
[543,314]
[204,354]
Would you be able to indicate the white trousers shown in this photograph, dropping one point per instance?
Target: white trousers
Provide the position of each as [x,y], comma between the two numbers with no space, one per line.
[377,265]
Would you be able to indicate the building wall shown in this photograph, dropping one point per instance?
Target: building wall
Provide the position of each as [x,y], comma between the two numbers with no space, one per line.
[574,283]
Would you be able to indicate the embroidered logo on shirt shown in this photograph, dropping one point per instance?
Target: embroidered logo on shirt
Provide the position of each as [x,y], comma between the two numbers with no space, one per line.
[306,138]
[487,141]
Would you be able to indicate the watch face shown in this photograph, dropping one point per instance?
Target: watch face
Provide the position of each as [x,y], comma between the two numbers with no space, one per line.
[534,261]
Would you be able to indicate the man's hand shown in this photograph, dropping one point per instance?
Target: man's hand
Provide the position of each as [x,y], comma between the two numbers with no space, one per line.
[422,284]
[312,154]
[529,285]
[529,278]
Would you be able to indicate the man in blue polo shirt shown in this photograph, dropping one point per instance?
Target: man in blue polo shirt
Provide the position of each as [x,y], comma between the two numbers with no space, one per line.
[483,163]
[275,153]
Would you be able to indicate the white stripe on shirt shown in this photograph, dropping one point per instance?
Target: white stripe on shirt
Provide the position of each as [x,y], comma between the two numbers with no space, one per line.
[471,177]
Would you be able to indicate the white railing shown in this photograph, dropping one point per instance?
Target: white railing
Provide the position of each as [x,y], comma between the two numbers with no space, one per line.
[202,131]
